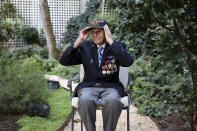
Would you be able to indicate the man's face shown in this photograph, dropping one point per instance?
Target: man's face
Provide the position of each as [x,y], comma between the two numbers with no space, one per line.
[98,36]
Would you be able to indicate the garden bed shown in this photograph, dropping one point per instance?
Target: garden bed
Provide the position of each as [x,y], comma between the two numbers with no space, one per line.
[169,123]
[8,122]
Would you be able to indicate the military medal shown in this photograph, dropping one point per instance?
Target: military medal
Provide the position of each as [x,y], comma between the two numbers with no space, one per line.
[109,66]
[113,61]
[108,72]
[104,72]
[103,67]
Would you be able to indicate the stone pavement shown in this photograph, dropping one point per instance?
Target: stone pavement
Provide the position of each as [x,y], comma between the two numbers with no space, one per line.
[137,121]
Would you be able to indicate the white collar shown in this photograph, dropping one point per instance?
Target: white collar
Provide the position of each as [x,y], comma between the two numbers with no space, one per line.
[102,46]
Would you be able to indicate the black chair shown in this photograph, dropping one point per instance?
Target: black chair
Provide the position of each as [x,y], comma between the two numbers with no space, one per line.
[124,78]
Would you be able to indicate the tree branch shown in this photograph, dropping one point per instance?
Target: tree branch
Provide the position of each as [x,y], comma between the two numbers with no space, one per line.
[189,62]
[193,47]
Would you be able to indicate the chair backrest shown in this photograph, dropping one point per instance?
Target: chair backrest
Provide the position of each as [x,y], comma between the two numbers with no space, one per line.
[123,75]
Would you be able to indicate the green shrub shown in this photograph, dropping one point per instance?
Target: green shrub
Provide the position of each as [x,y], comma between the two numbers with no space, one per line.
[24,53]
[68,72]
[46,64]
[20,84]
[8,27]
[158,92]
[111,18]
[30,51]
[49,64]
[29,34]
[41,51]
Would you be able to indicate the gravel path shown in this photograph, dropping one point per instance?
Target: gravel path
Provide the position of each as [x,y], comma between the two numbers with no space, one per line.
[137,121]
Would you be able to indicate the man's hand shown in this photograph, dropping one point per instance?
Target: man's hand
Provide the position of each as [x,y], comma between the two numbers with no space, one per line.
[108,35]
[83,35]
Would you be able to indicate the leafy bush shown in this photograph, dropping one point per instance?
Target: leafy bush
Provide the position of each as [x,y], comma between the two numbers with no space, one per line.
[46,64]
[29,51]
[41,51]
[37,54]
[111,18]
[24,53]
[68,72]
[20,84]
[49,64]
[158,92]
[29,34]
[8,26]
[79,22]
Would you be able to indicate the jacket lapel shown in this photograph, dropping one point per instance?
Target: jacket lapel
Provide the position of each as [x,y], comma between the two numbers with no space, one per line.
[94,53]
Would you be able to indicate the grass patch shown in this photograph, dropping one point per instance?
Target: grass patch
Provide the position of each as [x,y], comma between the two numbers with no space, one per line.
[59,101]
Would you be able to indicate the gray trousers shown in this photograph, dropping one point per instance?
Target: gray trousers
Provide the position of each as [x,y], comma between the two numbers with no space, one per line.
[109,98]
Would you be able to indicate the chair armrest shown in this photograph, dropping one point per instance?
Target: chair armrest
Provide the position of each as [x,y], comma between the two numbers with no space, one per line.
[69,84]
[130,82]
[129,87]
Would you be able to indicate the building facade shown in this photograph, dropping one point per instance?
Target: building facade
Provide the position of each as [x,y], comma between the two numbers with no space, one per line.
[60,10]
[104,7]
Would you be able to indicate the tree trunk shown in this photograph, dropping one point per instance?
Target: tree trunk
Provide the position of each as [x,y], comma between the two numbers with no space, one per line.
[45,14]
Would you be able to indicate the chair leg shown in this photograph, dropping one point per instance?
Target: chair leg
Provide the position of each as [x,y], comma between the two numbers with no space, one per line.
[128,108]
[81,125]
[128,122]
[73,112]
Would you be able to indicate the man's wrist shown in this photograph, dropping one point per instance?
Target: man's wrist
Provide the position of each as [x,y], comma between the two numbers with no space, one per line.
[75,46]
[110,42]
[77,43]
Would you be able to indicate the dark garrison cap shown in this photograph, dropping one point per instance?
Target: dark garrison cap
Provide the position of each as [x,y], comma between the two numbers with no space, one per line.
[98,24]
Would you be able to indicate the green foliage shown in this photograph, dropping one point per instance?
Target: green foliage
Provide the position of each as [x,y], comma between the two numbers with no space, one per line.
[29,34]
[147,26]
[159,91]
[20,84]
[79,22]
[46,65]
[60,104]
[111,18]
[165,30]
[68,72]
[8,26]
[49,64]
[41,51]
[8,30]
[8,10]
[30,51]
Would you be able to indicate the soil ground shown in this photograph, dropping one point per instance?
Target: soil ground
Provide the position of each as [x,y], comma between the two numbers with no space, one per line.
[8,122]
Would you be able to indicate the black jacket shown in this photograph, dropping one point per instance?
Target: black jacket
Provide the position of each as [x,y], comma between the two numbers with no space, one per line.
[104,76]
